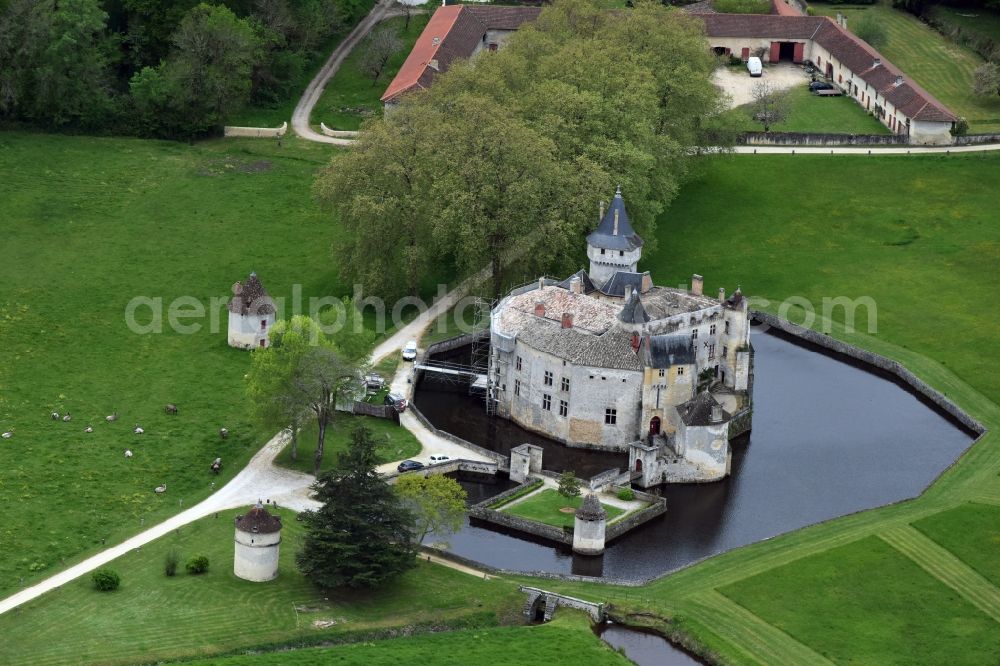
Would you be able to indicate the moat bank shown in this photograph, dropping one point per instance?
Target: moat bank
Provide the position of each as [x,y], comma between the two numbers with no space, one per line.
[828,439]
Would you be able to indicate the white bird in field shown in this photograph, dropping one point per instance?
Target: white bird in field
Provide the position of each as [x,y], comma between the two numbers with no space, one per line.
[128,453]
[67,418]
[8,434]
[111,417]
[138,429]
[160,489]
[55,416]
[88,429]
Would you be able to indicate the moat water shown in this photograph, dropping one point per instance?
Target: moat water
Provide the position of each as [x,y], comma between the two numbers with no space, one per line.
[829,438]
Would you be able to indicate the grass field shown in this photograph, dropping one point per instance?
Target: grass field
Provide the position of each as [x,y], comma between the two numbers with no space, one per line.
[941,67]
[89,224]
[567,638]
[849,620]
[395,442]
[544,508]
[810,113]
[351,96]
[152,617]
[972,533]
[978,20]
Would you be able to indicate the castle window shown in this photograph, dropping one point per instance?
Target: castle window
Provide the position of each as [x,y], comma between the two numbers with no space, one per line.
[602,250]
[518,363]
[263,324]
[610,416]
[711,351]
[563,408]
[546,401]
[694,335]
[548,378]
[727,328]
[711,329]
[621,253]
[517,387]
[680,370]
[565,383]
[663,372]
[725,351]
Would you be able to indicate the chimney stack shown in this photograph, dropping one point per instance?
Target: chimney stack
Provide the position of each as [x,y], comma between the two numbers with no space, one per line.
[635,342]
[697,285]
[541,283]
[567,320]
[716,413]
[899,80]
[722,294]
[878,61]
[539,309]
[647,282]
[601,208]
[616,222]
[576,285]
[840,18]
[844,23]
[628,292]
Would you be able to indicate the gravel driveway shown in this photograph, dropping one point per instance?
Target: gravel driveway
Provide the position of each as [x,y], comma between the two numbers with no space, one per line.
[738,84]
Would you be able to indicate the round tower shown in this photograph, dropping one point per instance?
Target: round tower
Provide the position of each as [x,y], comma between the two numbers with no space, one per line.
[588,527]
[258,537]
[613,246]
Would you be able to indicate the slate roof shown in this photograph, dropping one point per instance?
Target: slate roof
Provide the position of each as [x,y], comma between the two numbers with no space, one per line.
[855,54]
[258,521]
[633,312]
[663,351]
[591,509]
[698,410]
[615,230]
[250,297]
[588,284]
[615,285]
[452,33]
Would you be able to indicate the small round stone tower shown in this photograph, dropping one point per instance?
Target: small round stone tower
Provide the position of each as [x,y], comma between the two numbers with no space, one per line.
[588,527]
[258,537]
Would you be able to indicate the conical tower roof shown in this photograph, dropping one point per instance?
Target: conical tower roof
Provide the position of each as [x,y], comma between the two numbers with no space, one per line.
[615,231]
[591,509]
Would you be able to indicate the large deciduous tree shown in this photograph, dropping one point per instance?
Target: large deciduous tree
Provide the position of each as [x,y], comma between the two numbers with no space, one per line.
[437,503]
[360,536]
[380,46]
[770,105]
[505,158]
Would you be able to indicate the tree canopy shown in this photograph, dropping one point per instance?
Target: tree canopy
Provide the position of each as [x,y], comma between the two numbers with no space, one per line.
[504,159]
[437,503]
[360,536]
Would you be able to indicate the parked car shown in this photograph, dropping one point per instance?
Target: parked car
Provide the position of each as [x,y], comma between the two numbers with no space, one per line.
[410,350]
[395,400]
[409,466]
[439,458]
[374,382]
[820,85]
[755,66]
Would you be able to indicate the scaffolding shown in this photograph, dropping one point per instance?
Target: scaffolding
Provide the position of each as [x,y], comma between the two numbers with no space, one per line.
[484,361]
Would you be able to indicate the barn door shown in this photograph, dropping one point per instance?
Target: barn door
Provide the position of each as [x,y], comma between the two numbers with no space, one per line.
[775,52]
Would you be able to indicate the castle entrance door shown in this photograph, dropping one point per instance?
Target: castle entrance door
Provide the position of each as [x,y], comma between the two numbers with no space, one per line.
[654,425]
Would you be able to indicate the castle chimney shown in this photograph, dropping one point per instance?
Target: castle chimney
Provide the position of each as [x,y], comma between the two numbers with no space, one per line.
[844,22]
[840,18]
[541,283]
[628,292]
[567,320]
[616,222]
[635,343]
[716,413]
[539,309]
[722,294]
[601,208]
[576,285]
[697,285]
[647,282]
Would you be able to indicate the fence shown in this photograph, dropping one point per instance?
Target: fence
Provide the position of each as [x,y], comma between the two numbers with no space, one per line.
[378,411]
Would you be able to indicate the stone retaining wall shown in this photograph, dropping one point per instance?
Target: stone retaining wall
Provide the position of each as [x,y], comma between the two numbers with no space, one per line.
[976,139]
[741,423]
[919,386]
[340,134]
[503,462]
[447,467]
[817,139]
[455,343]
[510,492]
[256,132]
[605,478]
[657,508]
[556,534]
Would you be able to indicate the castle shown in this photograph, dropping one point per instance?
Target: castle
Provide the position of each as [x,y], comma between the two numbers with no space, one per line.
[607,360]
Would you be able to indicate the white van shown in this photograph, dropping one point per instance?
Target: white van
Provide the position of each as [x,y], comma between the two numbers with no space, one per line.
[754,66]
[410,350]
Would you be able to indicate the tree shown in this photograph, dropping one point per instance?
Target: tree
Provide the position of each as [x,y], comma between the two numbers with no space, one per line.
[986,80]
[870,28]
[106,580]
[407,9]
[436,501]
[197,565]
[569,485]
[360,536]
[379,47]
[770,105]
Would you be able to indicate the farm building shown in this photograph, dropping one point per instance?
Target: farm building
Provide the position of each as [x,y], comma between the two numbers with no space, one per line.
[461,31]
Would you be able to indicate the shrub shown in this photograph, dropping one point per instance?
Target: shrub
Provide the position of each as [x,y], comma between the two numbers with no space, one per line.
[961,127]
[569,485]
[170,562]
[197,565]
[626,494]
[106,580]
[986,80]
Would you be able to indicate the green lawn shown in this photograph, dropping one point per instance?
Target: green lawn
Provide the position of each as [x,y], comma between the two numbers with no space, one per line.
[395,442]
[567,638]
[972,533]
[352,96]
[978,20]
[152,617]
[940,66]
[88,224]
[810,113]
[864,599]
[544,508]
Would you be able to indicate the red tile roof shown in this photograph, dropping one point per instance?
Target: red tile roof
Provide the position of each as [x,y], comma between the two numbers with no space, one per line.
[453,32]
